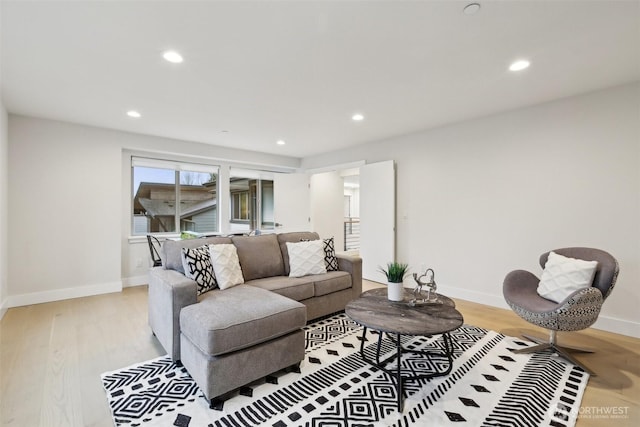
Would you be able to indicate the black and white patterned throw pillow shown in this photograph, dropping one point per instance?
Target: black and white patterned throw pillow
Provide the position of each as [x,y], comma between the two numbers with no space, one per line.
[330,260]
[197,266]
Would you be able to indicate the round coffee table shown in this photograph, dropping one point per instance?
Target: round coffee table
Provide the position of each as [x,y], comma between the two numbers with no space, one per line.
[373,310]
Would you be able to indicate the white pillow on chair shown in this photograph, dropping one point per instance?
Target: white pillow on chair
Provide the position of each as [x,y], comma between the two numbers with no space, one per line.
[562,276]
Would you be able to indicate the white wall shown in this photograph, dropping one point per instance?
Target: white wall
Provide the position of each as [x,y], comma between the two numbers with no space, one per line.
[4,208]
[69,207]
[480,198]
[327,206]
[64,193]
[4,202]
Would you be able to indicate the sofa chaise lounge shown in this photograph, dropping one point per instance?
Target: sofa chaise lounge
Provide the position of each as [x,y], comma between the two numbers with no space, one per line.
[228,338]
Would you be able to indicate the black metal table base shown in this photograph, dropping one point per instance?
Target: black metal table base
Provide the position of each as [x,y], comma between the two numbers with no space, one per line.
[397,375]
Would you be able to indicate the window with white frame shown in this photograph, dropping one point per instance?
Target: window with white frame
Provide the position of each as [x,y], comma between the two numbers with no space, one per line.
[173,197]
[240,206]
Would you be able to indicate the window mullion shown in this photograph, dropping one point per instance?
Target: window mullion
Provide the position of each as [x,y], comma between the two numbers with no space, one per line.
[259,205]
[176,220]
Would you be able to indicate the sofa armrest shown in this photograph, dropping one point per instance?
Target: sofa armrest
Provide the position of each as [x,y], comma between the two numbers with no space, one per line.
[352,265]
[169,292]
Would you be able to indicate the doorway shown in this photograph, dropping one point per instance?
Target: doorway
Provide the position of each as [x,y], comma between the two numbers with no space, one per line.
[351,224]
[357,207]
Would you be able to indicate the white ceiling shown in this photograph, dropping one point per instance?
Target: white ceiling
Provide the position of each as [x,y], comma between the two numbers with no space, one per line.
[297,71]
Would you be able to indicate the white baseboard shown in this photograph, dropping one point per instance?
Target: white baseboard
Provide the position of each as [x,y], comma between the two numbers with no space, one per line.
[128,282]
[62,294]
[604,323]
[474,296]
[618,326]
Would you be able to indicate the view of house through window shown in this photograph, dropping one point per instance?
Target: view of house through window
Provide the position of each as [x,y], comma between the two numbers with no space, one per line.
[251,200]
[198,201]
[171,197]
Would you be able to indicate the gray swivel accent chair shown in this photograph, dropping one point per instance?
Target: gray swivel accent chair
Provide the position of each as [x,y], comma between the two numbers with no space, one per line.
[578,311]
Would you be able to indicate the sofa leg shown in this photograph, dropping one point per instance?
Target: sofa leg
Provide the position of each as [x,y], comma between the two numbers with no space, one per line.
[293,368]
[216,403]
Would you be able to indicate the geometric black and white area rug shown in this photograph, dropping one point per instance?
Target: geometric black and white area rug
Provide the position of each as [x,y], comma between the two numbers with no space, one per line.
[488,386]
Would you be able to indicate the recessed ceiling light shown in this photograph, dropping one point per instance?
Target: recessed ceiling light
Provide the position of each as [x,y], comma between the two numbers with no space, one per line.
[357,117]
[472,9]
[519,65]
[134,114]
[172,56]
[280,142]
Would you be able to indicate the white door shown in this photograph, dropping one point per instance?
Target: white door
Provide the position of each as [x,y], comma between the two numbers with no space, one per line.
[291,202]
[327,207]
[377,218]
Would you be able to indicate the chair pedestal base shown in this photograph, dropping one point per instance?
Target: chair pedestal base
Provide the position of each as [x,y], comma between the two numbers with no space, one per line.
[562,351]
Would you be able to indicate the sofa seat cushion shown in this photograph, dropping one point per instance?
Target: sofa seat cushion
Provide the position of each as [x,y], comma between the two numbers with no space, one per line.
[240,317]
[296,288]
[330,282]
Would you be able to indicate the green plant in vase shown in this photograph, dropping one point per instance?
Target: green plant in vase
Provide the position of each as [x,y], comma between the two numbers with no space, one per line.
[395,273]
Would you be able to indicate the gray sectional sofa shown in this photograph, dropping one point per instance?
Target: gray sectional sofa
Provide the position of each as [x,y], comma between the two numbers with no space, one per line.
[228,338]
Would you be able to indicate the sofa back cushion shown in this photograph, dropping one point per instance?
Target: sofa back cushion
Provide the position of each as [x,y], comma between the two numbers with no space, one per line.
[260,256]
[172,250]
[293,237]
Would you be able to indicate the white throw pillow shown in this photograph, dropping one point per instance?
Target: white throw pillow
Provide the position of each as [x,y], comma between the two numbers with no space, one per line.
[226,265]
[306,258]
[562,276]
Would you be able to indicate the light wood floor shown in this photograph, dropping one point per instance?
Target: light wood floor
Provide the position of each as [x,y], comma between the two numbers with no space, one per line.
[52,355]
